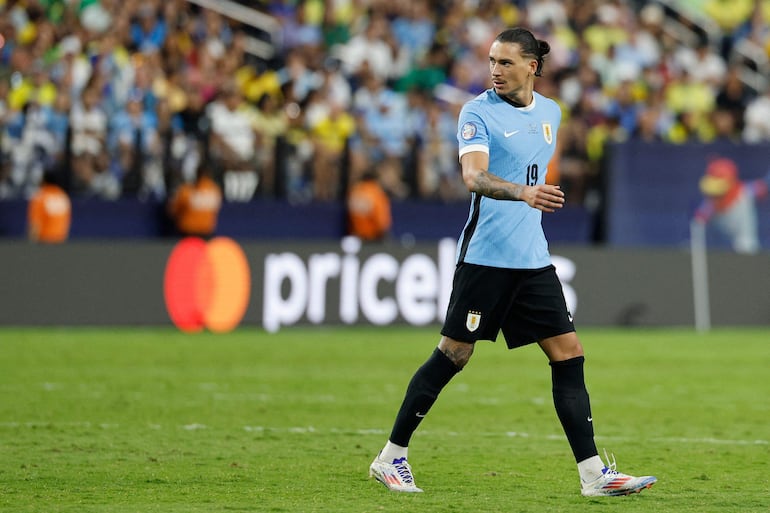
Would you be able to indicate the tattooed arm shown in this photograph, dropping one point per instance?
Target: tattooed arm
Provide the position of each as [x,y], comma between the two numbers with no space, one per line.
[476,177]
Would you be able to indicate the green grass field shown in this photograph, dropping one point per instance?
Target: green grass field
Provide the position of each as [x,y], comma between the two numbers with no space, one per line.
[152,420]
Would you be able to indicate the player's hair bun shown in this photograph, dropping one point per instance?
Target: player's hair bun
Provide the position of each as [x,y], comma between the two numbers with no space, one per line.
[543,47]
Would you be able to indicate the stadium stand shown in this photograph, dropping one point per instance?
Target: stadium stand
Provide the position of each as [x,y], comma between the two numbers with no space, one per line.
[124,98]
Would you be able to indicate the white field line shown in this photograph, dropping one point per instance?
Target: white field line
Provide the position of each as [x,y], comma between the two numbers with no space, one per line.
[310,430]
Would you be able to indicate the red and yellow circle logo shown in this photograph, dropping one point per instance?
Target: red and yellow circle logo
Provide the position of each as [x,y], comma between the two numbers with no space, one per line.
[207,285]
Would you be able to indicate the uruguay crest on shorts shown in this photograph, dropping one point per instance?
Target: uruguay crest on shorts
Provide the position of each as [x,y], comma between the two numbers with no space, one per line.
[547,133]
[473,320]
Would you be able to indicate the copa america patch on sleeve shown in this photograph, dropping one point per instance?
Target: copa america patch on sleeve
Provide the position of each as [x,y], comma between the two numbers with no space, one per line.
[468,130]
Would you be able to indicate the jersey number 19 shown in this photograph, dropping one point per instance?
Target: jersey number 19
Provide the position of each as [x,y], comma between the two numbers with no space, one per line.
[532,174]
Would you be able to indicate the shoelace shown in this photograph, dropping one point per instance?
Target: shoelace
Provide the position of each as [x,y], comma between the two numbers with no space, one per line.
[403,470]
[611,465]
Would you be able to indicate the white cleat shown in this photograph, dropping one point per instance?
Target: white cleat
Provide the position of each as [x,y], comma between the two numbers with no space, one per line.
[612,483]
[396,476]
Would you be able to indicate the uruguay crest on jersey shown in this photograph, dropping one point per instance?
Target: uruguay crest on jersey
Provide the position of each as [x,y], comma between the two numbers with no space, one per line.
[547,133]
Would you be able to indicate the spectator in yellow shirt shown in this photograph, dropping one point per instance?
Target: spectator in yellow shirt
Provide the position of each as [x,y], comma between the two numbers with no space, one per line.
[730,15]
[330,135]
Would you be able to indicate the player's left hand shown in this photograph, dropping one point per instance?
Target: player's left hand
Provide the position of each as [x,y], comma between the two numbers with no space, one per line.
[545,197]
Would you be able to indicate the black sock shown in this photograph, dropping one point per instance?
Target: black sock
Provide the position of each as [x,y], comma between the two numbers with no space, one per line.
[573,407]
[421,393]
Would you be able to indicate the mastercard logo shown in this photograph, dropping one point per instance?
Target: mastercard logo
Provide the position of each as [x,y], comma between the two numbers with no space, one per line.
[207,285]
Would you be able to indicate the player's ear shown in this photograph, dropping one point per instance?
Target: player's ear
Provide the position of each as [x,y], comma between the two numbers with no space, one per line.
[533,66]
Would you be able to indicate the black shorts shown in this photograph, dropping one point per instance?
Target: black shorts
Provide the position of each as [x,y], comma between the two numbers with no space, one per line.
[526,304]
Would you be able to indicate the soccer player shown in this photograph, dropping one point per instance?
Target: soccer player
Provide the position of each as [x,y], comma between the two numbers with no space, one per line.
[504,279]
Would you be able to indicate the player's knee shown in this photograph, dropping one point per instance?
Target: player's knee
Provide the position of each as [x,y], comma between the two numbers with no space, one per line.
[562,347]
[458,352]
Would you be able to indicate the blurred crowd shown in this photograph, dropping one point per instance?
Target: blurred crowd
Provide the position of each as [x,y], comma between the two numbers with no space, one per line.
[130,98]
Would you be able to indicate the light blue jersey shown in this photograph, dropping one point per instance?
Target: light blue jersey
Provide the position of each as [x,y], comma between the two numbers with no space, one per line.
[520,143]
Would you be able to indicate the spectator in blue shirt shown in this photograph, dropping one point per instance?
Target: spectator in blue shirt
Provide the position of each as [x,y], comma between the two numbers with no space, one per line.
[148,31]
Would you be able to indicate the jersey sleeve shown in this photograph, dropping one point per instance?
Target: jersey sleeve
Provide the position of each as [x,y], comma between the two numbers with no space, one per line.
[472,133]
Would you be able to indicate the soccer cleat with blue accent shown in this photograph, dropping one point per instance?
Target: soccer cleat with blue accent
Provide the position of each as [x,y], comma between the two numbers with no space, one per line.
[396,476]
[613,483]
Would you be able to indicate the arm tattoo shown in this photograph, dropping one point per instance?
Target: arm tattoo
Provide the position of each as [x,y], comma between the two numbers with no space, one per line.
[490,185]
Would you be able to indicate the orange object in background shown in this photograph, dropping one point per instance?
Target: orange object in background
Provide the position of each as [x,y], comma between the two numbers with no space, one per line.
[49,214]
[194,207]
[207,285]
[369,216]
